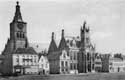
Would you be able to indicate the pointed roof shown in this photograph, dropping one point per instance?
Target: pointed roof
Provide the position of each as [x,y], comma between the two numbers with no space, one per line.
[62,44]
[52,46]
[17,17]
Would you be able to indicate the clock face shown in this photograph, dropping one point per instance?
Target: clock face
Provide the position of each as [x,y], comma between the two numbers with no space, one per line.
[20,26]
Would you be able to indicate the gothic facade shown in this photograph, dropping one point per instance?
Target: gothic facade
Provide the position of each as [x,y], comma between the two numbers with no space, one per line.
[86,51]
[80,50]
[58,56]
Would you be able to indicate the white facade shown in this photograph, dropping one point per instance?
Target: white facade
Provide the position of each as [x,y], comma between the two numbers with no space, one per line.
[28,63]
[116,65]
[43,65]
[73,51]
[64,62]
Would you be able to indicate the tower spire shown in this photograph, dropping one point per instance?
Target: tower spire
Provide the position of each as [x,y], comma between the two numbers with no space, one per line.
[84,24]
[62,33]
[17,17]
[52,35]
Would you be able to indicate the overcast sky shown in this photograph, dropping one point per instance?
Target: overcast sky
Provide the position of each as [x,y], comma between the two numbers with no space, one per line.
[104,17]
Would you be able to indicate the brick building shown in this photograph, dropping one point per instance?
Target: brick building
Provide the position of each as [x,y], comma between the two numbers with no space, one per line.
[105,62]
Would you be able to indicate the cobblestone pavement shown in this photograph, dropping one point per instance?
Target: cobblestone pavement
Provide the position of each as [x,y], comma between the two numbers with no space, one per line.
[88,76]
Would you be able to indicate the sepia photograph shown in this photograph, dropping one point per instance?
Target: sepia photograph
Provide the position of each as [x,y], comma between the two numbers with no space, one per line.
[62,40]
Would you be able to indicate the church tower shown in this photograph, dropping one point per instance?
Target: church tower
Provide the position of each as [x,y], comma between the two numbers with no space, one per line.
[18,33]
[85,36]
[85,53]
[84,43]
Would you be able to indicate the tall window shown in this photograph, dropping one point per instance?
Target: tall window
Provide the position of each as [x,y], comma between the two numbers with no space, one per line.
[62,63]
[17,60]
[74,56]
[66,64]
[18,35]
[71,56]
[71,66]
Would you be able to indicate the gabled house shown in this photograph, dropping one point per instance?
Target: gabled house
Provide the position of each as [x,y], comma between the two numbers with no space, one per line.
[58,57]
[98,63]
[59,62]
[44,67]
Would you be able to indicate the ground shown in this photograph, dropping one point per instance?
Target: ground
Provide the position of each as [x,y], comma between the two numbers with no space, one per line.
[88,76]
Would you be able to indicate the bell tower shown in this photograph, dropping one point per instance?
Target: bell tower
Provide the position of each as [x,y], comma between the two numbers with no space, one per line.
[18,33]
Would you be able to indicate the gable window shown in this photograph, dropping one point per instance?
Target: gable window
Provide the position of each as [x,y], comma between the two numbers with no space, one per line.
[64,55]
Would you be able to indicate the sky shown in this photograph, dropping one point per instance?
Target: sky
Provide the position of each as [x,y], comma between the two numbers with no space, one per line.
[104,17]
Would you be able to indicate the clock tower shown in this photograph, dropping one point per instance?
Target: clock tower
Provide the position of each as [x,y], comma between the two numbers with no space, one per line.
[18,33]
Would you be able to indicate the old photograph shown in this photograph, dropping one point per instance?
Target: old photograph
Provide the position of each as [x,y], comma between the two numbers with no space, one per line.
[62,40]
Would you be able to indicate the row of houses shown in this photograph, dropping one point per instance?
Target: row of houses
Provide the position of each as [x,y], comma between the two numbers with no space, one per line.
[73,55]
[109,63]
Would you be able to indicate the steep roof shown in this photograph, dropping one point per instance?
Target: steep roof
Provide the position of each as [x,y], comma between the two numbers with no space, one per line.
[29,50]
[62,44]
[52,46]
